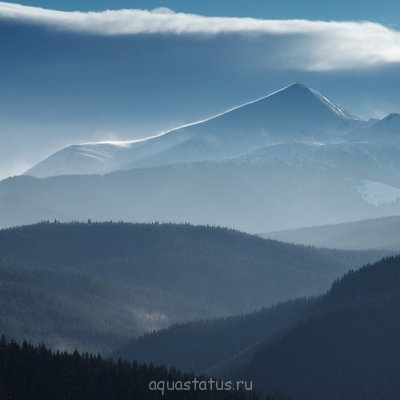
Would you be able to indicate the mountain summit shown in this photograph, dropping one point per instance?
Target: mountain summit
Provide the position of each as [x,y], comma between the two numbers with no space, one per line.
[285,161]
[296,113]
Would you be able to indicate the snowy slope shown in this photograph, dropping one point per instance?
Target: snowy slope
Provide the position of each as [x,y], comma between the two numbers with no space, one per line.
[364,157]
[378,193]
[278,187]
[296,113]
[253,197]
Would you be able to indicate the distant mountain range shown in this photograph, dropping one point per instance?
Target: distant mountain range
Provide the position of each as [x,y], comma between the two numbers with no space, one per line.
[381,233]
[289,160]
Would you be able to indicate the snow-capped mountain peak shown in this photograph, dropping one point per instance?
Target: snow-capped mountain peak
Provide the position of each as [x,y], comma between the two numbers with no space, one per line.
[296,113]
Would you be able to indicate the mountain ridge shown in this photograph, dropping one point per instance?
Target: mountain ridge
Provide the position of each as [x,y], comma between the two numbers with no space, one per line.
[95,285]
[365,234]
[351,350]
[241,129]
[240,169]
[352,328]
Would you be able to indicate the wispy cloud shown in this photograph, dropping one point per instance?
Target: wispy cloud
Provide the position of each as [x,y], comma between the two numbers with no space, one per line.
[306,45]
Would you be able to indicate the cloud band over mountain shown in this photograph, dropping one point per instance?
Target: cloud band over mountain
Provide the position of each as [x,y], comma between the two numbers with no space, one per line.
[311,45]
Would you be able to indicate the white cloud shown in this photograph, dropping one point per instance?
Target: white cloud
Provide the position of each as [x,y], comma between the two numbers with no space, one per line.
[306,45]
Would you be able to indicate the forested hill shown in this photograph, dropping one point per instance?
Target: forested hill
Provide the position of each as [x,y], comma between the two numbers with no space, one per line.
[75,243]
[350,351]
[28,372]
[94,286]
[341,345]
[215,346]
[175,251]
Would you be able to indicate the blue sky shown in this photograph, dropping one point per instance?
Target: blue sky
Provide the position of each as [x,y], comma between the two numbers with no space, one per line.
[77,77]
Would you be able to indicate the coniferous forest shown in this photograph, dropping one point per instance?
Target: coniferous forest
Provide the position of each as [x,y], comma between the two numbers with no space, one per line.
[37,373]
[95,286]
[67,289]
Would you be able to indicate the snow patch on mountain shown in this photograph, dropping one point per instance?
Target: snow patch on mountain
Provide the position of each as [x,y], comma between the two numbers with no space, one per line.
[378,193]
[334,107]
[330,155]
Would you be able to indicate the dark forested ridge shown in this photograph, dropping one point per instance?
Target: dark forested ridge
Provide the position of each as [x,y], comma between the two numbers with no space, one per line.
[342,345]
[28,372]
[215,345]
[350,351]
[94,286]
